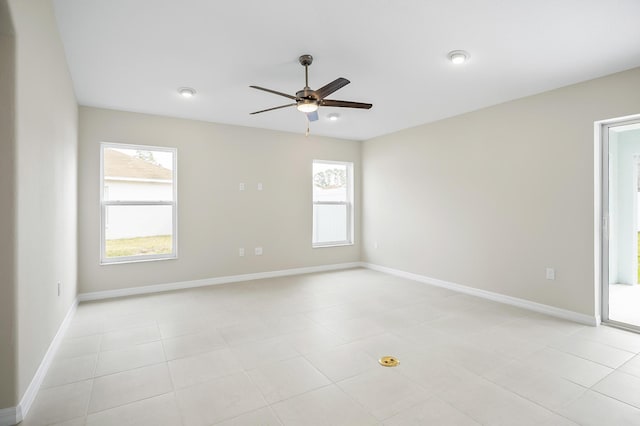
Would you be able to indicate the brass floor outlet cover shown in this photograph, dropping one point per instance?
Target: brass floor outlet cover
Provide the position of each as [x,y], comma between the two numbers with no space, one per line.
[389,361]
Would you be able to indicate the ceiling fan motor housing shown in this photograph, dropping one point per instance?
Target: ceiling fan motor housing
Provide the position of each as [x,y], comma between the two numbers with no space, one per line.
[306,93]
[307,99]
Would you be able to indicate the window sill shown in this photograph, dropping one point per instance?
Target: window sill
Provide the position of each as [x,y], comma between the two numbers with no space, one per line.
[120,262]
[315,246]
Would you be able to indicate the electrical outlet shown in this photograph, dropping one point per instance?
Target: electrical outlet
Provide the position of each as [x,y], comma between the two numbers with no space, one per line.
[260,187]
[551,274]
[242,187]
[258,251]
[241,252]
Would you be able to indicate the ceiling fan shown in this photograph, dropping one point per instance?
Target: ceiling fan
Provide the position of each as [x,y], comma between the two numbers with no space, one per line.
[308,100]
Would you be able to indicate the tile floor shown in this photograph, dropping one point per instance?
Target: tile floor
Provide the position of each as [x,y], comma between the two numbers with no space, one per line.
[302,351]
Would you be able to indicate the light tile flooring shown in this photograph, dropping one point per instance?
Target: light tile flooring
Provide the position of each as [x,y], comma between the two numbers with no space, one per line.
[303,350]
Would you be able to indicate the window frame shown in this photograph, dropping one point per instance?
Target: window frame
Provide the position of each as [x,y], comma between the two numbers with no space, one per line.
[348,203]
[104,260]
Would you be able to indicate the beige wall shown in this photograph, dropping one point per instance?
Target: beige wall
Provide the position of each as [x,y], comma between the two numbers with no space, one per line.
[8,339]
[215,219]
[46,177]
[491,198]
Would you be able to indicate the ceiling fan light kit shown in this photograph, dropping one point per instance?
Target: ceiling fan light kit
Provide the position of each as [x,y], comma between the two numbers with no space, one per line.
[308,100]
[307,106]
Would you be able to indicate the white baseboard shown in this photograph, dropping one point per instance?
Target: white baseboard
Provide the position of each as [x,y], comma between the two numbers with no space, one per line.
[19,413]
[496,297]
[156,288]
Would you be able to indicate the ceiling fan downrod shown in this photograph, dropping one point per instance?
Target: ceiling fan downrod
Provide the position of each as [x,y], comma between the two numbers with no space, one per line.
[305,61]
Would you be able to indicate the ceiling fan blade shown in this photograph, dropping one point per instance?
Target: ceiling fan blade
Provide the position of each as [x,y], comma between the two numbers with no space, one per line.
[344,104]
[271,109]
[312,116]
[273,91]
[328,89]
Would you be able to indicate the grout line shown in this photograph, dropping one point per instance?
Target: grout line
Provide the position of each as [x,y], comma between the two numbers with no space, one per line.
[86,410]
[584,389]
[588,359]
[264,399]
[275,415]
[625,363]
[95,376]
[249,412]
[53,365]
[130,403]
[615,399]
[526,398]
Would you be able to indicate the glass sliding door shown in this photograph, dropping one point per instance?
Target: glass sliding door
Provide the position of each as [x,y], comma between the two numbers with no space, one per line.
[621,223]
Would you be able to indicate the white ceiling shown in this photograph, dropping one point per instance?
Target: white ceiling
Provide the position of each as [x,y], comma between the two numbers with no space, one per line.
[133,55]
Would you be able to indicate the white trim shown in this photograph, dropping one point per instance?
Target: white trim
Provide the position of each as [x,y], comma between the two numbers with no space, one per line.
[13,415]
[128,179]
[8,416]
[349,203]
[104,260]
[600,252]
[602,220]
[156,288]
[138,203]
[496,297]
[332,245]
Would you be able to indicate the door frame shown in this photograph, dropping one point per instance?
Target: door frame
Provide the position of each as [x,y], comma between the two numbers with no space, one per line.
[601,217]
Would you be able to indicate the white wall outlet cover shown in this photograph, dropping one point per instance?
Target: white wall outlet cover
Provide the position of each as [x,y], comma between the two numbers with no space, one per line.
[551,274]
[258,251]
[242,187]
[260,187]
[241,252]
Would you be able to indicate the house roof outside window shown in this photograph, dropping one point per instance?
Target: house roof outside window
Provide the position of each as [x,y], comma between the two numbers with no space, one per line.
[118,165]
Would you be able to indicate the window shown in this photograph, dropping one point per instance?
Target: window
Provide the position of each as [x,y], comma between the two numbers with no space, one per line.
[332,203]
[138,203]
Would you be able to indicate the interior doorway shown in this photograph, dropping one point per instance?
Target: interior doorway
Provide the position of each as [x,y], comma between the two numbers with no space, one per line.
[621,223]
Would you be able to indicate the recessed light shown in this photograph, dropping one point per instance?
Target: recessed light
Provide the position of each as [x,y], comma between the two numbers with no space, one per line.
[187,92]
[458,56]
[334,116]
